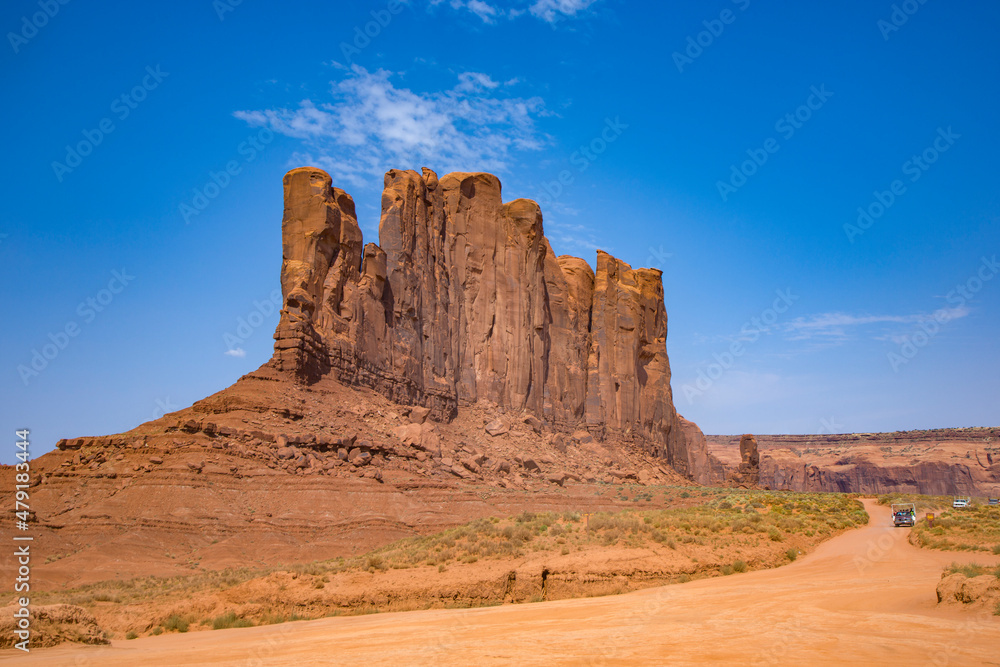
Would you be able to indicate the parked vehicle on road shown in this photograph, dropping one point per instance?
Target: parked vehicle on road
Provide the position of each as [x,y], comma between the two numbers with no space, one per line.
[960,502]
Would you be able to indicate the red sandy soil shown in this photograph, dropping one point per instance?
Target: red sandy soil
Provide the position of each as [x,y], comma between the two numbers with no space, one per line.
[865,597]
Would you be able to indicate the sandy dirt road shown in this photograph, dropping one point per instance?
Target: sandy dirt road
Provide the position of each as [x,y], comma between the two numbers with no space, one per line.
[865,598]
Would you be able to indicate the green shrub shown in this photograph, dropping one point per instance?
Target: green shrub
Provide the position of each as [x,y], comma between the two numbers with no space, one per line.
[230,620]
[971,570]
[130,635]
[177,623]
[792,553]
[740,566]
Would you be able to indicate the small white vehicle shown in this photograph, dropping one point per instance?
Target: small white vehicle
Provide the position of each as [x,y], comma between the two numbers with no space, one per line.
[904,514]
[960,502]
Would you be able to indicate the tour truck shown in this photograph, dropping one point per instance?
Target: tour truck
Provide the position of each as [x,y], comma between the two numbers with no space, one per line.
[960,502]
[904,514]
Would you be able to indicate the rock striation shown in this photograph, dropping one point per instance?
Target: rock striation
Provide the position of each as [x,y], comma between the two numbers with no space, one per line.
[464,302]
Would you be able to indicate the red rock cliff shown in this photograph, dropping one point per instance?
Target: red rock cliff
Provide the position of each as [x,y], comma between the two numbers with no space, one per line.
[463,302]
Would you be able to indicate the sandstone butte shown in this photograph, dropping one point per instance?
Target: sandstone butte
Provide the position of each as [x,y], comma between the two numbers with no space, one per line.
[457,369]
[464,302]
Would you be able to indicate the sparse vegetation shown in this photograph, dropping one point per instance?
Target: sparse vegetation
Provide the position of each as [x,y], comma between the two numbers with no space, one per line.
[707,528]
[922,502]
[973,528]
[230,620]
[176,622]
[971,570]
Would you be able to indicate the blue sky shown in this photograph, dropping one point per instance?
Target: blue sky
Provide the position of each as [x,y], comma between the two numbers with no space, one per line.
[817,183]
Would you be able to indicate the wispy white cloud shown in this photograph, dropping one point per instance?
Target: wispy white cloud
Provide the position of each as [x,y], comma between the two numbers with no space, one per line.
[238,352]
[844,326]
[567,237]
[486,12]
[372,125]
[469,82]
[826,330]
[550,11]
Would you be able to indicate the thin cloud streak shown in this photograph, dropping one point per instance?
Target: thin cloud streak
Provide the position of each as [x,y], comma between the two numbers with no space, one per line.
[549,11]
[838,325]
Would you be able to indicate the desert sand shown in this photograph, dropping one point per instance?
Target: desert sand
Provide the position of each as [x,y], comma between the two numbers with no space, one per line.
[864,597]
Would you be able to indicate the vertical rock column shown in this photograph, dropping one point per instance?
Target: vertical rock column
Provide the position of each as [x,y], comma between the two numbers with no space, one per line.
[310,231]
[628,383]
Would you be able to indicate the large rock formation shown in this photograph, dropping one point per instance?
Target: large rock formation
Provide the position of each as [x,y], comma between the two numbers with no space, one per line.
[464,302]
[525,375]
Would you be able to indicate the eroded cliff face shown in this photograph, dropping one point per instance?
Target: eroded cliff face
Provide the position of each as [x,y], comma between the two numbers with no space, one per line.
[463,301]
[934,478]
[962,461]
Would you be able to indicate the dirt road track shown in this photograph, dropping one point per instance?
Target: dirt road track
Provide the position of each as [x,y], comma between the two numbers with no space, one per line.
[864,598]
